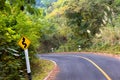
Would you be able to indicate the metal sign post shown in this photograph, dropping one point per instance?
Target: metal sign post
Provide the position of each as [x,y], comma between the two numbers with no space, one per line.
[28,64]
[24,44]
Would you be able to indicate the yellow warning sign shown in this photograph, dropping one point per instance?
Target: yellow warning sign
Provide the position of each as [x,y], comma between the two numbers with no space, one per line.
[24,42]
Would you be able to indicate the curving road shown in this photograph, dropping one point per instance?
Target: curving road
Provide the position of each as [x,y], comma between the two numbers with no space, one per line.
[85,66]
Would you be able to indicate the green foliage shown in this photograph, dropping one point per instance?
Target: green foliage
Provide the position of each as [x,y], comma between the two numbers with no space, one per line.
[88,15]
[80,21]
[50,38]
[105,43]
[66,25]
[14,23]
[12,65]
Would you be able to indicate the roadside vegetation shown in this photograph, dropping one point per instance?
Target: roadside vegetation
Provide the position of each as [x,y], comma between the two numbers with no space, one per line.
[92,25]
[18,18]
[56,26]
[41,69]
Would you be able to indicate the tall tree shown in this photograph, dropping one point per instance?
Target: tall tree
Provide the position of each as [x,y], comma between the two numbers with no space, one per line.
[84,17]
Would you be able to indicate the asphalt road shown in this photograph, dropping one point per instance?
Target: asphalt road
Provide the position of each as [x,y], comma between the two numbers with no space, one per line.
[85,66]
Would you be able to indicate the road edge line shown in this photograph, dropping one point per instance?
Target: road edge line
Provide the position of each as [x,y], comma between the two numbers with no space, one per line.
[100,69]
[55,65]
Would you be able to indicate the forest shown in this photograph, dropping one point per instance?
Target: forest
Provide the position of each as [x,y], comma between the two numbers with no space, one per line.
[55,26]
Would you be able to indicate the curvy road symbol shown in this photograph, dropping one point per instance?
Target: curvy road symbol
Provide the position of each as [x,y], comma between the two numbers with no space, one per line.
[23,42]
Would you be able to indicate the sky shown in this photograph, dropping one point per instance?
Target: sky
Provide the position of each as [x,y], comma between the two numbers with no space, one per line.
[42,3]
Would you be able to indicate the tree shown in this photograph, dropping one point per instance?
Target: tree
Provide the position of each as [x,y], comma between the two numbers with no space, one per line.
[84,17]
[15,22]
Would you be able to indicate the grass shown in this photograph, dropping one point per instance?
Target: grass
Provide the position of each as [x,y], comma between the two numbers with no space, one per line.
[41,68]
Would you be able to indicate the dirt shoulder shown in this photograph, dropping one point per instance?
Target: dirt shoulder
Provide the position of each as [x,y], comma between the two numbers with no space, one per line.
[53,73]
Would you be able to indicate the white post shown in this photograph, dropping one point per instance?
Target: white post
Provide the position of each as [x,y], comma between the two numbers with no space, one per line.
[79,48]
[27,64]
[52,49]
